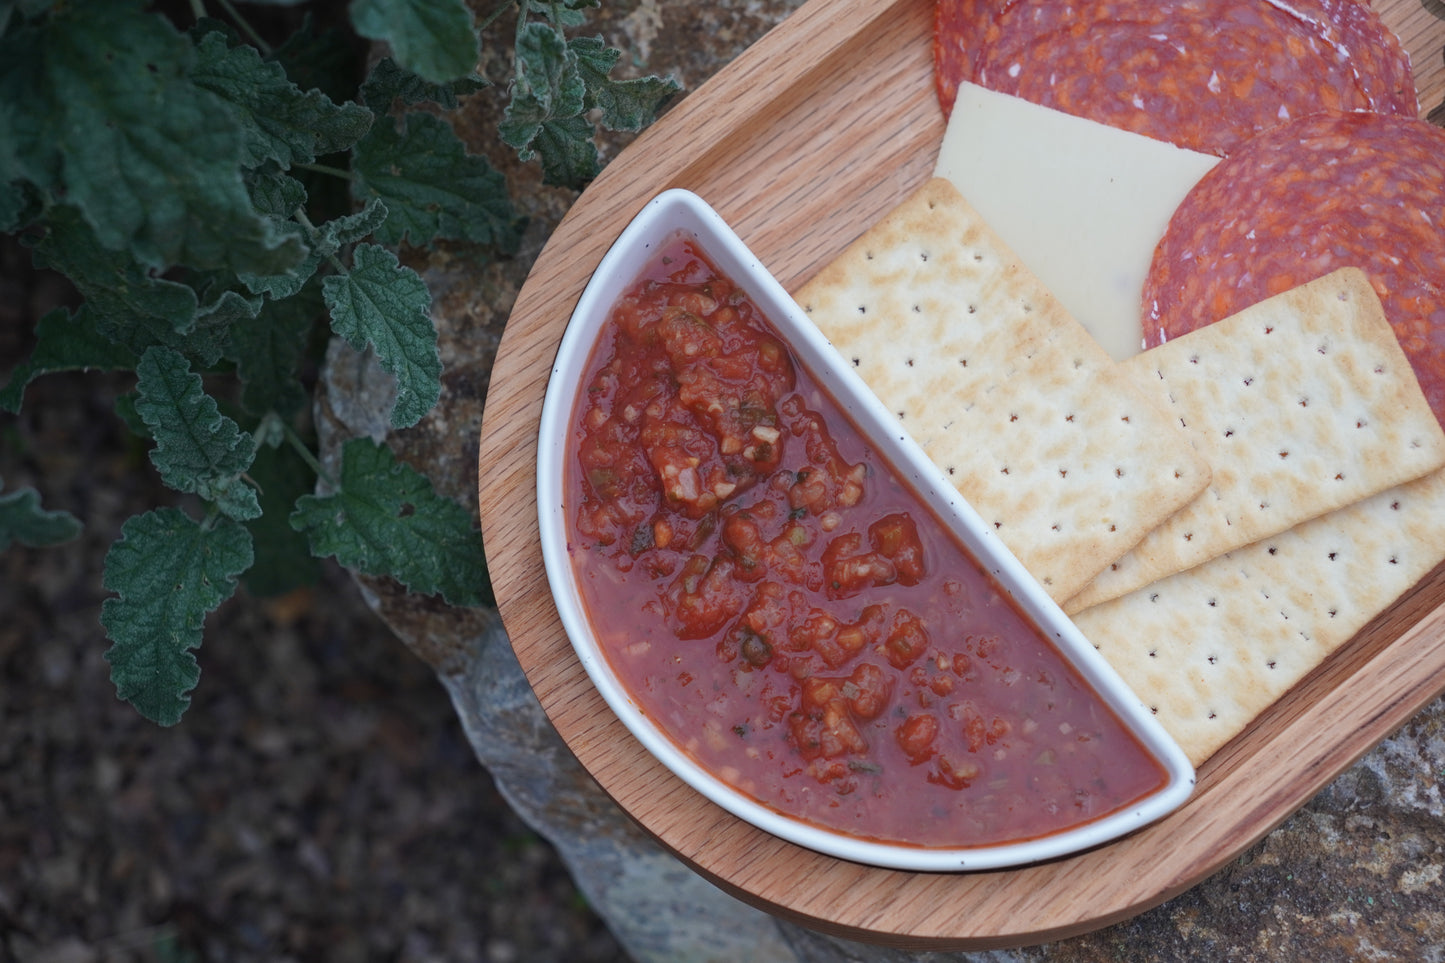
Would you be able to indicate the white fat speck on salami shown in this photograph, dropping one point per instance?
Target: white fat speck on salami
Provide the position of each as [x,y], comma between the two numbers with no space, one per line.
[1302,404]
[1032,420]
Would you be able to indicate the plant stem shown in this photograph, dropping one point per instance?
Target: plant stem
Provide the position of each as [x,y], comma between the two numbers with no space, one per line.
[523,8]
[308,457]
[245,26]
[300,215]
[496,14]
[198,9]
[325,169]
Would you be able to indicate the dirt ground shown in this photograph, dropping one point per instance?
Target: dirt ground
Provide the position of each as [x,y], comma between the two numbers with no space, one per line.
[318,801]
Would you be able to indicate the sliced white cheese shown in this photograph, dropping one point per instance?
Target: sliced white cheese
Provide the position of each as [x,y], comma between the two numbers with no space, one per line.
[1082,204]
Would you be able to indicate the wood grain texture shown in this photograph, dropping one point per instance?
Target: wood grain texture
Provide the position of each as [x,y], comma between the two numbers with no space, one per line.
[1420,24]
[800,144]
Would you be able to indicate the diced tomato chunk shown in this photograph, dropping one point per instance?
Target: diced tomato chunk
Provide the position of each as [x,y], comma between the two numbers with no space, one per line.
[868,691]
[907,641]
[895,537]
[953,773]
[849,568]
[704,596]
[916,737]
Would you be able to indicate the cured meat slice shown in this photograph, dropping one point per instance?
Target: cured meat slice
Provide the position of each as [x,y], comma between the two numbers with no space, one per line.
[1331,190]
[1201,75]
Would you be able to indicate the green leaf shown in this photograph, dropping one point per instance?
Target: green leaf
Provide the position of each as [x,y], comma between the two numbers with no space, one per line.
[434,39]
[338,232]
[29,8]
[283,557]
[19,204]
[326,240]
[275,194]
[547,86]
[268,353]
[124,409]
[168,573]
[545,116]
[625,104]
[385,305]
[387,520]
[23,520]
[65,342]
[223,308]
[563,13]
[569,157]
[131,307]
[198,449]
[432,187]
[103,111]
[388,82]
[279,121]
[222,311]
[281,286]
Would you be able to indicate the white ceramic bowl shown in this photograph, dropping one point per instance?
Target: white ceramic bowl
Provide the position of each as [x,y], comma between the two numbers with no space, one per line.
[661,220]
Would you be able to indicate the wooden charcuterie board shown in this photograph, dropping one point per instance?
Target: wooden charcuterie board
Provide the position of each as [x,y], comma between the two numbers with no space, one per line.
[804,141]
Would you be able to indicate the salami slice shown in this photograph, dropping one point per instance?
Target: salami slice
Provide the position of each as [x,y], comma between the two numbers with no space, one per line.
[1206,76]
[1332,190]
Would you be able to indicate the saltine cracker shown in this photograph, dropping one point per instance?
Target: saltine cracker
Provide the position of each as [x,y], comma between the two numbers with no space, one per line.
[1302,404]
[1209,649]
[1031,419]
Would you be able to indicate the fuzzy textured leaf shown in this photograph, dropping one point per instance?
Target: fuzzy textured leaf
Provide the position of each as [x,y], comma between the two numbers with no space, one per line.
[131,306]
[625,104]
[385,305]
[103,109]
[226,309]
[278,121]
[268,353]
[274,194]
[326,240]
[168,573]
[64,342]
[432,38]
[388,82]
[547,86]
[432,187]
[198,449]
[387,520]
[569,157]
[563,13]
[331,236]
[23,520]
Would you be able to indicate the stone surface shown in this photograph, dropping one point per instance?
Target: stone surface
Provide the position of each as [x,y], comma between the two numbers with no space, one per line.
[1356,874]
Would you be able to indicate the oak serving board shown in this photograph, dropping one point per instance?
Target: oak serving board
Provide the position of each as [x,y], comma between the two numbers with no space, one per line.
[801,144]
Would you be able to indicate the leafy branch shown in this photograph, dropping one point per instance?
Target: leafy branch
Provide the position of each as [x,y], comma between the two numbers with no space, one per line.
[182,180]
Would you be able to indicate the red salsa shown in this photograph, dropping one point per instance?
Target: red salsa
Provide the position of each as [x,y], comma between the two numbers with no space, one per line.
[791,614]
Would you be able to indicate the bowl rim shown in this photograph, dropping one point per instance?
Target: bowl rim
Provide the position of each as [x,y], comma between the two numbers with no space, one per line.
[678,211]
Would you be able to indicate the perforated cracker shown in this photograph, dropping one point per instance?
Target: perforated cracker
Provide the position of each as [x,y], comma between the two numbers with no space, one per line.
[1209,649]
[1301,404]
[1004,390]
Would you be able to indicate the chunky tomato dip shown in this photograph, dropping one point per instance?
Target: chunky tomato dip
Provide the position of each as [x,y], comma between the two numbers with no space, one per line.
[789,612]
